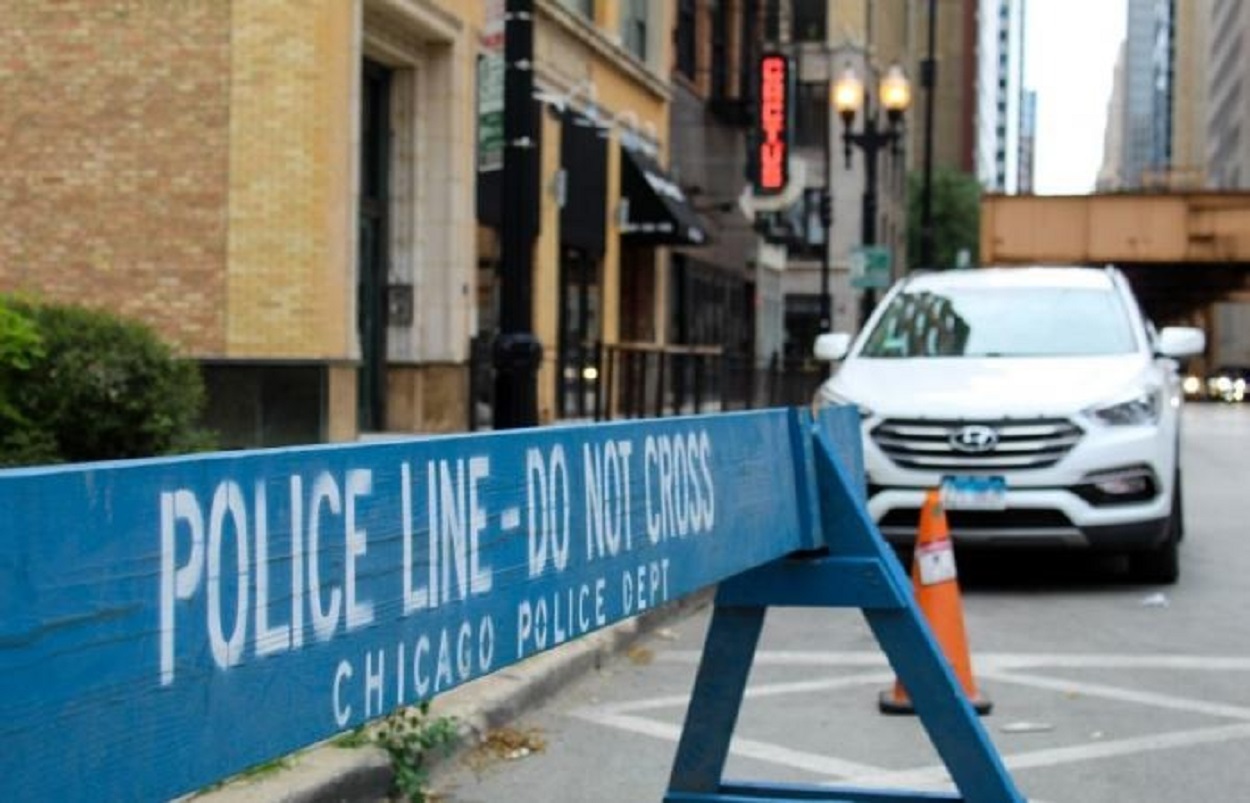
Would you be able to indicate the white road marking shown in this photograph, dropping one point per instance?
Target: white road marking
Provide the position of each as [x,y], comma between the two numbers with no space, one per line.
[787,658]
[1123,695]
[744,748]
[1055,756]
[999,667]
[993,660]
[759,690]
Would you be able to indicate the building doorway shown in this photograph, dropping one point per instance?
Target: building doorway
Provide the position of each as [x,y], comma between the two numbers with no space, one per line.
[577,380]
[373,245]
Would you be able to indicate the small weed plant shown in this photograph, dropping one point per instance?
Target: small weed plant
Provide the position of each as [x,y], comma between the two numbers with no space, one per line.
[410,736]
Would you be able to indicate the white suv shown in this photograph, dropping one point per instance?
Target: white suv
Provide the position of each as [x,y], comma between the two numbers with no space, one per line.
[1040,400]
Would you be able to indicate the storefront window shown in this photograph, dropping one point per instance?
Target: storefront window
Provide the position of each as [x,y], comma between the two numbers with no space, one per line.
[580,322]
[708,306]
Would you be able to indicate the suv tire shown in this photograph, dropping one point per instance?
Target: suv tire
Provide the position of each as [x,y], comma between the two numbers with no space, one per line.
[1161,565]
[1178,505]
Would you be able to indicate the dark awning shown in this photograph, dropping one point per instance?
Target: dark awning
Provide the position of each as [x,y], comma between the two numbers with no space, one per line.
[655,210]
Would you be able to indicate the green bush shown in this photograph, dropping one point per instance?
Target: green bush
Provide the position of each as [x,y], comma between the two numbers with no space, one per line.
[79,385]
[20,348]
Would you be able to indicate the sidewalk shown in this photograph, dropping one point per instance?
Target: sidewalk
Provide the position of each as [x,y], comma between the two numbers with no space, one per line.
[329,774]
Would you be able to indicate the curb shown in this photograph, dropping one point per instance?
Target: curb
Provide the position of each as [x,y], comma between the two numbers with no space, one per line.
[326,773]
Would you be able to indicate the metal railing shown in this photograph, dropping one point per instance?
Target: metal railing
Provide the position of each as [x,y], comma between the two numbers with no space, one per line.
[646,380]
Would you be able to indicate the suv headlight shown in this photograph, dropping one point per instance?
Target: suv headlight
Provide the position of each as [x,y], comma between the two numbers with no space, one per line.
[826,397]
[1142,408]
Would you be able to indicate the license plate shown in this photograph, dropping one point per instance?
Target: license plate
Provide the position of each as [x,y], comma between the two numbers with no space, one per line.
[974,493]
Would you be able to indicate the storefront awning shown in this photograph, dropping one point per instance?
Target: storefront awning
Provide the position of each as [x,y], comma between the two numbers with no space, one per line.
[654,209]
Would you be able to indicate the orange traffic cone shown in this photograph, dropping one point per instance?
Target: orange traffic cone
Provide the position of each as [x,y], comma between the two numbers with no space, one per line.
[937,592]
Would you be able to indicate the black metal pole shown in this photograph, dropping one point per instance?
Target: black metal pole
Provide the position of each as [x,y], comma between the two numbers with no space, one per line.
[826,220]
[517,352]
[928,79]
[870,141]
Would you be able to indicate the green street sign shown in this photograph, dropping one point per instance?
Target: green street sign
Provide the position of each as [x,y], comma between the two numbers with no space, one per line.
[870,266]
[490,90]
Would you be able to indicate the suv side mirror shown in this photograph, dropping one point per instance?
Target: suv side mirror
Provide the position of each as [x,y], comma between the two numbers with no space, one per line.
[832,346]
[1181,341]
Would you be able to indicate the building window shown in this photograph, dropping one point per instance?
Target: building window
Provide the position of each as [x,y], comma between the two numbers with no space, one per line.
[720,60]
[634,27]
[584,7]
[772,20]
[811,115]
[808,22]
[686,51]
[748,50]
[811,240]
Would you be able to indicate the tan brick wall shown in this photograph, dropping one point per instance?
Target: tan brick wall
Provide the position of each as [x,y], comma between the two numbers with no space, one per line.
[291,161]
[113,158]
[341,404]
[427,398]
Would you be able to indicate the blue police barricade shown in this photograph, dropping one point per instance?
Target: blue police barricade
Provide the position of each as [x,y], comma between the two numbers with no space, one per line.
[168,623]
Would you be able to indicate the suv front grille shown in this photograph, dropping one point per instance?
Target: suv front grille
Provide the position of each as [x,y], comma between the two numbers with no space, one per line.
[1019,444]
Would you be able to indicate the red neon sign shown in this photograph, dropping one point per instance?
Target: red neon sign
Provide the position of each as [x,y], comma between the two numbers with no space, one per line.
[773,132]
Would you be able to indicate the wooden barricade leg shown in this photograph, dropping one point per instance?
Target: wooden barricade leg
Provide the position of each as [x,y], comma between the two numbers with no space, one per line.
[856,569]
[717,698]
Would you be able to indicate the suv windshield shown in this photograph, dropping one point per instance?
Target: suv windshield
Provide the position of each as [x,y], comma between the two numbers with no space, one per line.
[1002,322]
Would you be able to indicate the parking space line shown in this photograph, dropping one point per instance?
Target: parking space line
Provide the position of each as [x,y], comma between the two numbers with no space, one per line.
[754,691]
[1121,694]
[787,658]
[995,660]
[1055,756]
[828,766]
[1005,668]
[1186,663]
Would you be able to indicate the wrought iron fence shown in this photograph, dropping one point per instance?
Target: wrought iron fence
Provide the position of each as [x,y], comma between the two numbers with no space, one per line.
[645,380]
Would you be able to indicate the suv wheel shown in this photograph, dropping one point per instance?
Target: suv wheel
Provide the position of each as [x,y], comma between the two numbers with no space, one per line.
[1178,505]
[1161,565]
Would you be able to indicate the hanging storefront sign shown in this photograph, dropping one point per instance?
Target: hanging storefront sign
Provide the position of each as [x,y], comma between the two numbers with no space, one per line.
[772,127]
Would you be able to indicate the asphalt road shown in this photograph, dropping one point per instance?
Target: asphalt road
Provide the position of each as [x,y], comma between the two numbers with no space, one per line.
[1103,690]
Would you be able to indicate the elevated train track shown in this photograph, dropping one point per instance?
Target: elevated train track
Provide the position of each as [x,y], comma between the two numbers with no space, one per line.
[1182,251]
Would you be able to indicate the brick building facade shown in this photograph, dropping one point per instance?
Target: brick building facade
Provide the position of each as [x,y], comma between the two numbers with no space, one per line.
[290,192]
[197,164]
[114,160]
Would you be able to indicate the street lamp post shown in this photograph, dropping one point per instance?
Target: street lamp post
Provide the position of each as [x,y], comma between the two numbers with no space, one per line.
[826,221]
[928,78]
[849,97]
[517,352]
